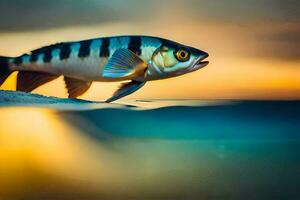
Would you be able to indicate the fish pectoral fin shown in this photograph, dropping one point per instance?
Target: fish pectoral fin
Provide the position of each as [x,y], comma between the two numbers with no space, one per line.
[76,87]
[126,89]
[124,64]
[29,80]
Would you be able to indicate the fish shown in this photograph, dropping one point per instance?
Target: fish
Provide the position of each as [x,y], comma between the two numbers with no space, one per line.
[134,59]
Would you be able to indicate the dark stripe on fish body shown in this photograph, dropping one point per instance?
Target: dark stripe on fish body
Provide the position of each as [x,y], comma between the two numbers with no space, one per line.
[47,55]
[104,50]
[18,60]
[33,57]
[65,51]
[135,44]
[84,49]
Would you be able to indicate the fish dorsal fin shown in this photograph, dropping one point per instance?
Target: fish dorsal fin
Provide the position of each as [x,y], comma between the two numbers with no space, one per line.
[28,80]
[124,63]
[126,89]
[76,87]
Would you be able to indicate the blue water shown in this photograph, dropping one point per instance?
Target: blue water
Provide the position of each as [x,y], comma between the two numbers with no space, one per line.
[246,120]
[239,149]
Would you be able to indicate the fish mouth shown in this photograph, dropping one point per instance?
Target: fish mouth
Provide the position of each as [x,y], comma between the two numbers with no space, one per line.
[201,62]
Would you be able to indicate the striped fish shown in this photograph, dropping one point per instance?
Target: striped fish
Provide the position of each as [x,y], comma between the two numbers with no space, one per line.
[136,59]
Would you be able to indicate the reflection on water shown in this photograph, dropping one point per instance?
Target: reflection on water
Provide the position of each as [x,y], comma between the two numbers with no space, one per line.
[191,149]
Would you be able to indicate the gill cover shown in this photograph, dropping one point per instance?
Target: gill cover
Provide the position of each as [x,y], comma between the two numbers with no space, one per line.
[169,62]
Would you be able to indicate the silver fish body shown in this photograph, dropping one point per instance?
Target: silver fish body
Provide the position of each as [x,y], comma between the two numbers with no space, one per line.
[119,58]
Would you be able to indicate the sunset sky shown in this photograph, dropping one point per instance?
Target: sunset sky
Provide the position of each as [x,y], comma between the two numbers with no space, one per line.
[254,45]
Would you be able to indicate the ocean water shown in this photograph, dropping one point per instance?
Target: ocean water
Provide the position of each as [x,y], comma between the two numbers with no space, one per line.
[54,148]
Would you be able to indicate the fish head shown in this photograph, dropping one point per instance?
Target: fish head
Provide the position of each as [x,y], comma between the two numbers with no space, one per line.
[172,59]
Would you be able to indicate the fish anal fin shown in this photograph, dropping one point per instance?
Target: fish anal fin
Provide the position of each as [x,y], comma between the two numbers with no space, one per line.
[125,89]
[124,64]
[76,87]
[28,80]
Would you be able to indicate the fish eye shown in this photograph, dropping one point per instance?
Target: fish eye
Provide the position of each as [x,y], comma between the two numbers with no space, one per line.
[182,55]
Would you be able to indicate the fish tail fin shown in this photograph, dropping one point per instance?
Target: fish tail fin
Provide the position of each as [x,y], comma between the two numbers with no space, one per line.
[5,71]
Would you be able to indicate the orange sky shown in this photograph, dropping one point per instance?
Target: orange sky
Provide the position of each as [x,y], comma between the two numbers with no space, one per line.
[242,65]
